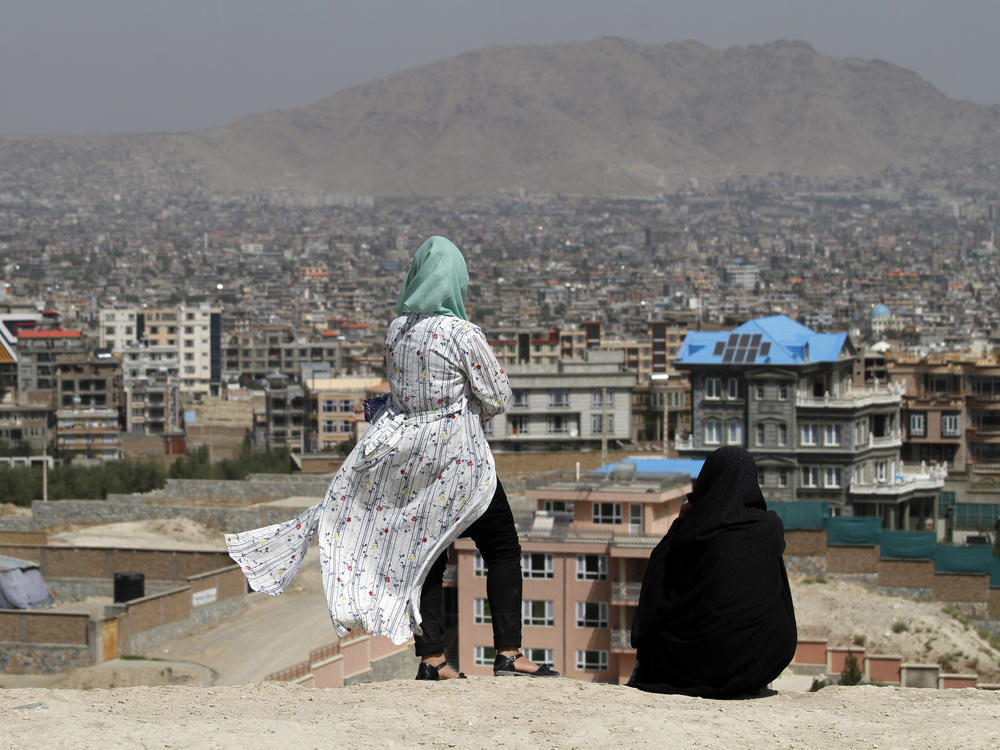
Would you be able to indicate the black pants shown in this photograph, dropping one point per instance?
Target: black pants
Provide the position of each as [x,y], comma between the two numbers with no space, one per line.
[496,538]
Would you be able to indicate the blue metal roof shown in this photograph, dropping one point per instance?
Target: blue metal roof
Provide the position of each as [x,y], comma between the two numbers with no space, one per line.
[656,467]
[776,340]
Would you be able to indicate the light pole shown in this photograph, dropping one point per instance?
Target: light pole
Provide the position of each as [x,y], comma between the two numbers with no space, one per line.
[663,377]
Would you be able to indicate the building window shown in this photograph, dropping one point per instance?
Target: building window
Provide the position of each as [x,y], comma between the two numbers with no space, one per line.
[597,420]
[484,656]
[537,565]
[488,427]
[538,612]
[760,434]
[810,476]
[520,399]
[810,434]
[735,436]
[519,425]
[540,655]
[635,518]
[606,513]
[831,476]
[782,392]
[559,398]
[950,426]
[881,474]
[591,567]
[482,614]
[713,432]
[558,506]
[734,387]
[782,477]
[918,424]
[479,565]
[597,397]
[831,434]
[761,477]
[713,388]
[592,614]
[759,392]
[592,661]
[558,425]
[346,405]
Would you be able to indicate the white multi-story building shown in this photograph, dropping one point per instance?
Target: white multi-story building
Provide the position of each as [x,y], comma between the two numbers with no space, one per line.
[194,332]
[573,403]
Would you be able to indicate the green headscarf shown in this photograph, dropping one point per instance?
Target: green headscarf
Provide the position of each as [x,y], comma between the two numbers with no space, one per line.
[437,281]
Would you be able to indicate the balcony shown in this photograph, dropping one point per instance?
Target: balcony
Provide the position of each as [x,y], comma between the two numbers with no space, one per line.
[621,641]
[910,479]
[625,592]
[855,398]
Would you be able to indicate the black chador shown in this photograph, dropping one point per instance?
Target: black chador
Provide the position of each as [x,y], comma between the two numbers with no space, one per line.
[715,616]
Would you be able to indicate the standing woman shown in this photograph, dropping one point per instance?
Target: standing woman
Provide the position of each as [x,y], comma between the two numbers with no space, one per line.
[421,476]
[715,616]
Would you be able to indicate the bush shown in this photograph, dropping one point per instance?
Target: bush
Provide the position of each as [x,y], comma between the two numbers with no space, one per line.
[852,673]
[900,627]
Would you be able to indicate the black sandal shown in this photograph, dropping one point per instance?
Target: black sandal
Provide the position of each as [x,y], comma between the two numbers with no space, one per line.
[429,672]
[503,666]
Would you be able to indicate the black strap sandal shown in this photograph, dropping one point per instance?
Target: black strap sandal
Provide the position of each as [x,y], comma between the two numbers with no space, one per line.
[503,666]
[429,672]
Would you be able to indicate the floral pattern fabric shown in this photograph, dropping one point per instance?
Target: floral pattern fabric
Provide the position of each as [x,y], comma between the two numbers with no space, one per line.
[418,477]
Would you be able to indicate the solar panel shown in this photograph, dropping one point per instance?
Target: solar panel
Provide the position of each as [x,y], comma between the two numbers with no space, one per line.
[742,348]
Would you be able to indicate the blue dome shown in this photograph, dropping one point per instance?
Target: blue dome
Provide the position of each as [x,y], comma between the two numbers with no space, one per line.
[880,311]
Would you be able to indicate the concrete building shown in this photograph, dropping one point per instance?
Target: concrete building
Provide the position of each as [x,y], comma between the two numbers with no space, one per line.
[573,404]
[335,411]
[195,332]
[584,553]
[25,425]
[951,409]
[285,414]
[88,433]
[787,394]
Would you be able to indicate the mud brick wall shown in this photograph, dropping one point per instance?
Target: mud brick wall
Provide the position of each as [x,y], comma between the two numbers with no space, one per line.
[906,573]
[848,560]
[805,543]
[26,626]
[962,587]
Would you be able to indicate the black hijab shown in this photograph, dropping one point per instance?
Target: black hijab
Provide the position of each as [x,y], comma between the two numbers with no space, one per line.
[715,614]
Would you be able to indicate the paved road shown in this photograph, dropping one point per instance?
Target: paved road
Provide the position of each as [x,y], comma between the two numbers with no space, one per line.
[269,634]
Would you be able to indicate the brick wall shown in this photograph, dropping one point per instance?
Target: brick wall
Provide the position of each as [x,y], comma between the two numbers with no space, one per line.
[961,587]
[849,560]
[994,602]
[906,573]
[24,537]
[805,542]
[30,626]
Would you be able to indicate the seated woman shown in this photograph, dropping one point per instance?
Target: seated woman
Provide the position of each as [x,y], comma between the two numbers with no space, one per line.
[715,616]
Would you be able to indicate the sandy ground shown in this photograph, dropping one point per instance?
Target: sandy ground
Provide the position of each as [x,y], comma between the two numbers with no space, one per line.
[494,713]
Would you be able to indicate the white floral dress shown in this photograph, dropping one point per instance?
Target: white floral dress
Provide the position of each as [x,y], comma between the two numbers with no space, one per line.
[419,476]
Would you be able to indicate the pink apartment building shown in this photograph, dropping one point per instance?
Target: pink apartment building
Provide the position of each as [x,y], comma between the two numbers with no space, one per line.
[584,554]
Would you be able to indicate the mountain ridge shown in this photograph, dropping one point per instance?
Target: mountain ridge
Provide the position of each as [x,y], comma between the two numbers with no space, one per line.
[609,116]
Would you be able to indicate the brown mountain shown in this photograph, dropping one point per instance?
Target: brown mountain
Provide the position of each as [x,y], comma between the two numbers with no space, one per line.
[607,116]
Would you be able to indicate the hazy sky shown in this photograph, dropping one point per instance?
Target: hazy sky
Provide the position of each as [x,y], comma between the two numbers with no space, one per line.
[130,65]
